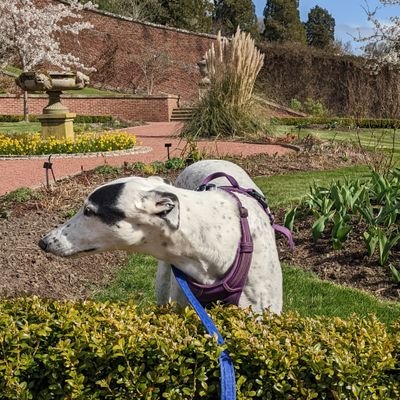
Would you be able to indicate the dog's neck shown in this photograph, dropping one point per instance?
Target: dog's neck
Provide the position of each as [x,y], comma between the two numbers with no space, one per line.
[206,231]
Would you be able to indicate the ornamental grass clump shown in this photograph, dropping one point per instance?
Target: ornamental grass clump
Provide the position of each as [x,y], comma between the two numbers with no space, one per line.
[33,144]
[226,109]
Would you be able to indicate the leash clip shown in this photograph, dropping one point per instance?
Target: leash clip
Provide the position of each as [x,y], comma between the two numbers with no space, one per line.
[259,197]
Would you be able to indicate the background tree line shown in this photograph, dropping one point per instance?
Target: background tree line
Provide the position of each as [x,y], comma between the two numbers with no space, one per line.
[281,22]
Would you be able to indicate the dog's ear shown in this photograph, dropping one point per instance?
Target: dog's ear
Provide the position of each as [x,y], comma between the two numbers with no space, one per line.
[163,204]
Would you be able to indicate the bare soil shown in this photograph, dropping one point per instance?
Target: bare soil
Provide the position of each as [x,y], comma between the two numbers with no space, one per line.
[26,270]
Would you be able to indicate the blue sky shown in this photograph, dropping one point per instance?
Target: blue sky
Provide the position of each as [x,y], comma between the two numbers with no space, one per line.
[348,14]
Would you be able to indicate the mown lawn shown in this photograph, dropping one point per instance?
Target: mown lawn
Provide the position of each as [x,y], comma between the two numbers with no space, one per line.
[371,139]
[303,293]
[19,127]
[284,190]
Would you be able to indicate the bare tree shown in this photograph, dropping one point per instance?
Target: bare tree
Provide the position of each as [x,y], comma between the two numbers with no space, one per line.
[139,10]
[142,10]
[154,66]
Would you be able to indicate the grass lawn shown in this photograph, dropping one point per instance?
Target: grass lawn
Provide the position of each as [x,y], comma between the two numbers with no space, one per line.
[303,292]
[284,190]
[371,139]
[19,127]
[29,127]
[136,280]
[311,297]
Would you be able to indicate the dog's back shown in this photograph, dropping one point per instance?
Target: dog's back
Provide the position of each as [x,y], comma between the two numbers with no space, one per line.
[192,176]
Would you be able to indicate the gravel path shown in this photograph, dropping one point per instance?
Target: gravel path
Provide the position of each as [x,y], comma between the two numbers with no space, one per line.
[30,172]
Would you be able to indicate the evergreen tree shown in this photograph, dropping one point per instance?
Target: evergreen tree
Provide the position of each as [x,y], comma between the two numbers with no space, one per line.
[282,21]
[193,15]
[320,28]
[229,14]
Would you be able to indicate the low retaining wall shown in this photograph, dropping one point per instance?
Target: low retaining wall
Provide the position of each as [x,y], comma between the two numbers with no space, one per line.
[125,107]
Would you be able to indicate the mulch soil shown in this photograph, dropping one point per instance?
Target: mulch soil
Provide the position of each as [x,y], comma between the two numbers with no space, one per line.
[26,270]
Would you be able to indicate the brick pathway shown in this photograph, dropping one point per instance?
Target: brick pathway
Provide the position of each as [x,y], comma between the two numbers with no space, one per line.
[30,172]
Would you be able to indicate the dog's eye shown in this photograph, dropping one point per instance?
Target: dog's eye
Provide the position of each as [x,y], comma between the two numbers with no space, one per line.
[88,212]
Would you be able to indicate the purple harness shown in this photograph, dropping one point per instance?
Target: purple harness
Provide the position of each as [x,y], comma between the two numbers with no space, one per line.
[229,288]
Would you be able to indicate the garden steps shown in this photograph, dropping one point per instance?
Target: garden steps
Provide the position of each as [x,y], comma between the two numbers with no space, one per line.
[186,113]
[182,114]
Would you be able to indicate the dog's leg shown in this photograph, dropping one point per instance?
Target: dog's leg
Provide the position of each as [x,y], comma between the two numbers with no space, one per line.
[163,283]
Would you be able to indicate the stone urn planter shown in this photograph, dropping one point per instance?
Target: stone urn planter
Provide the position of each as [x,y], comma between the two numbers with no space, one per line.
[56,120]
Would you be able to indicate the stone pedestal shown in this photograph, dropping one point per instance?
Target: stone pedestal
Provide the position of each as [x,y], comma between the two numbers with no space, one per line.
[56,120]
[58,125]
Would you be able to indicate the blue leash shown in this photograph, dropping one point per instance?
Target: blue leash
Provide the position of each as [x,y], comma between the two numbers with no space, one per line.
[227,377]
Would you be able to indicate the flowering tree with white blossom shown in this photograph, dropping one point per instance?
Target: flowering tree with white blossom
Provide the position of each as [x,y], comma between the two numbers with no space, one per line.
[29,34]
[383,46]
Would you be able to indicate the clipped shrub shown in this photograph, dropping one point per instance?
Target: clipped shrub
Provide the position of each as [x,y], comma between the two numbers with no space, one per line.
[65,350]
[315,107]
[93,119]
[296,105]
[372,123]
[11,118]
[79,119]
[34,144]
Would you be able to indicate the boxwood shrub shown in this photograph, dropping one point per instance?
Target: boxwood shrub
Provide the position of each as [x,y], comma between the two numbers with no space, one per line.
[79,119]
[376,123]
[66,350]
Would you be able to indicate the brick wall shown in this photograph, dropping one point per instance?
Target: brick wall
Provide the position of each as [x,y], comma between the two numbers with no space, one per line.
[116,44]
[148,108]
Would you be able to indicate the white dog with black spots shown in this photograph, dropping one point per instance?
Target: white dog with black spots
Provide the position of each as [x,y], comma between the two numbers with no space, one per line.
[196,231]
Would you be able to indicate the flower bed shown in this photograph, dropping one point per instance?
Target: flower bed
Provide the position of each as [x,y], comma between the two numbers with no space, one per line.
[34,144]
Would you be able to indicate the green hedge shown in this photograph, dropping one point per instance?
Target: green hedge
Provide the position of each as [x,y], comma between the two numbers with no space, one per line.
[80,119]
[377,123]
[65,350]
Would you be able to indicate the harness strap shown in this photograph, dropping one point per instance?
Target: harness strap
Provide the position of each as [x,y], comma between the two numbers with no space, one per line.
[254,194]
[234,280]
[216,175]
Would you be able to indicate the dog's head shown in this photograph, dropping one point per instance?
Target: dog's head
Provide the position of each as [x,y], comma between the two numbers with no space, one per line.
[123,214]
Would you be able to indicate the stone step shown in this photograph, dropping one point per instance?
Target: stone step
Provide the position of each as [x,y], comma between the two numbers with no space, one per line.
[182,113]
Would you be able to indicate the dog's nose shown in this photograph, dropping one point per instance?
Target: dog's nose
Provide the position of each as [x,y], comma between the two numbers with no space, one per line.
[42,244]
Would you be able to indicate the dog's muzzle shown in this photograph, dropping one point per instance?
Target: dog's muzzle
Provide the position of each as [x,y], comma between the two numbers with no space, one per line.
[43,245]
